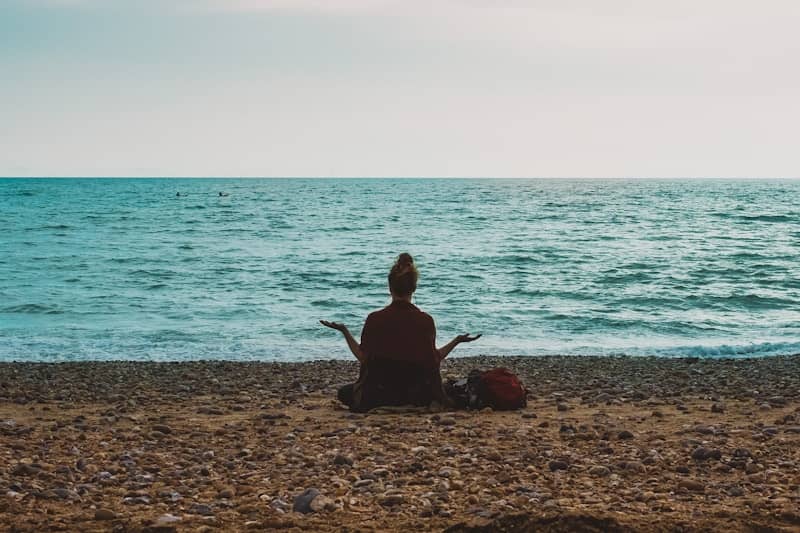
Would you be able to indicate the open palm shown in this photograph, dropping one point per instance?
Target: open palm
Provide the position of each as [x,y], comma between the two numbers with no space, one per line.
[467,338]
[338,326]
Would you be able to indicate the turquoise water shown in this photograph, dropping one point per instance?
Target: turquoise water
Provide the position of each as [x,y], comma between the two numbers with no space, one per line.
[124,269]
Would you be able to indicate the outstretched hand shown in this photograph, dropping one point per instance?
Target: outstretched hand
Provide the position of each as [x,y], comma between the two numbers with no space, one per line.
[338,326]
[466,337]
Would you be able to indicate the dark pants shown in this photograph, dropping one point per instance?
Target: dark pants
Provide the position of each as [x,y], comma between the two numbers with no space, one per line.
[345,395]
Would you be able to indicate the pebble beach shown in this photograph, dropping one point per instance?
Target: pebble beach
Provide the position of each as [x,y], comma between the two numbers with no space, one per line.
[605,444]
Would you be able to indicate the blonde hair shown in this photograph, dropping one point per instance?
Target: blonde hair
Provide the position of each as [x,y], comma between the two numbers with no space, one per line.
[403,276]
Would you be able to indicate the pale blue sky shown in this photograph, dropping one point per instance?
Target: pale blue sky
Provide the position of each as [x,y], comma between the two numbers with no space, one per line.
[594,88]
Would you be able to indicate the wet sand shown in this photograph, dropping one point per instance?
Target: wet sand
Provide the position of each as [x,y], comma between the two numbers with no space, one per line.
[605,444]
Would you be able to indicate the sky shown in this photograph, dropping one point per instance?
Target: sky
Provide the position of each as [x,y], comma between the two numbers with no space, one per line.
[466,88]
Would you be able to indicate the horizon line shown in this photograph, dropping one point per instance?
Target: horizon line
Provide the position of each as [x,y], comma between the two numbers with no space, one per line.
[421,177]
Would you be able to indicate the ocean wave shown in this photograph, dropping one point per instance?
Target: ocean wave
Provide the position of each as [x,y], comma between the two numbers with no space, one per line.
[55,226]
[33,309]
[752,302]
[328,303]
[762,349]
[624,278]
[768,218]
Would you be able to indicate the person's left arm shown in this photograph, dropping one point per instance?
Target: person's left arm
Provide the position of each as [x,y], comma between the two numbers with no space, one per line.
[445,350]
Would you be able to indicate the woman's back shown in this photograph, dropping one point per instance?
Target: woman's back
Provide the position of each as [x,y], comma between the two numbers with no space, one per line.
[400,332]
[401,361]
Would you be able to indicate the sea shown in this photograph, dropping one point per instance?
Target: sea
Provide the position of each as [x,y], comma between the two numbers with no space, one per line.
[243,269]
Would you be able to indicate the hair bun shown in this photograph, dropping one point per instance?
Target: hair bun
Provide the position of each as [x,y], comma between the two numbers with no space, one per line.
[405,259]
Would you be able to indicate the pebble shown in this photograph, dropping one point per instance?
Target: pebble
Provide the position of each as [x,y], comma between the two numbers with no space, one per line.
[558,465]
[24,469]
[201,509]
[280,505]
[691,485]
[136,500]
[321,503]
[391,499]
[341,459]
[105,514]
[703,454]
[302,502]
[735,491]
[600,471]
[65,494]
[634,466]
[625,435]
[167,519]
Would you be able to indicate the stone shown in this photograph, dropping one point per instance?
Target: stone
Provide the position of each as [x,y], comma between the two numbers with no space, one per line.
[392,499]
[105,514]
[161,428]
[625,435]
[64,494]
[321,503]
[201,509]
[167,519]
[136,500]
[341,459]
[24,469]
[600,471]
[279,505]
[704,454]
[302,502]
[691,485]
[735,491]
[558,465]
[634,466]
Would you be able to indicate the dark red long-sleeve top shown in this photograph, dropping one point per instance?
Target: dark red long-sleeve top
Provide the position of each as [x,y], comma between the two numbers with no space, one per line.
[401,332]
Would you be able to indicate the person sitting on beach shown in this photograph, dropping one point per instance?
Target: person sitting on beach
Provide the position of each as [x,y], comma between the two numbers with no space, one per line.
[398,355]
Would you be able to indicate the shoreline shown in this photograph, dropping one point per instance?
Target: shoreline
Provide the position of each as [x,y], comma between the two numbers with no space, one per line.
[626,442]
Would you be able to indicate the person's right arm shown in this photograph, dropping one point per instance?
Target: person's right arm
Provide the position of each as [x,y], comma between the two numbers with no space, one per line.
[351,342]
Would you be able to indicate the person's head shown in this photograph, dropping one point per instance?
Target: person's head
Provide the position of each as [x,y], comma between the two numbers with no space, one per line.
[403,276]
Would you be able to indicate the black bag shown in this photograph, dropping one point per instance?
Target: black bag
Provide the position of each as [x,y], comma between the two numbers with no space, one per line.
[465,392]
[497,388]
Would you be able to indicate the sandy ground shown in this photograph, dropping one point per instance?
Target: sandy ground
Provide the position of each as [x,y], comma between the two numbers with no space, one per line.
[605,444]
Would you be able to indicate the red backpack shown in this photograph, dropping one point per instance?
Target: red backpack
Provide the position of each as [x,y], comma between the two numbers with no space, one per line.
[502,390]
